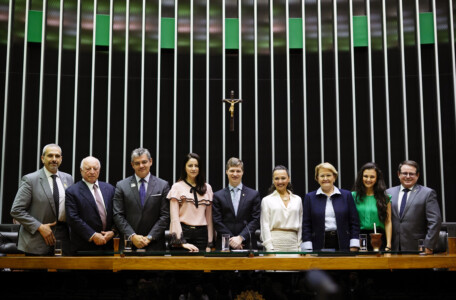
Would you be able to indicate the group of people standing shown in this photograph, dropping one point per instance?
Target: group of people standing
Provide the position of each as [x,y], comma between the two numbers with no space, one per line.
[86,215]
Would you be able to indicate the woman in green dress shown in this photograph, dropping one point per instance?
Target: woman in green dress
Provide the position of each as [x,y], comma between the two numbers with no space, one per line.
[373,204]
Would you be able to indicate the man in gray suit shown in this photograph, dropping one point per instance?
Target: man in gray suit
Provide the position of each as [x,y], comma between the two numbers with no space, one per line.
[39,206]
[415,211]
[141,209]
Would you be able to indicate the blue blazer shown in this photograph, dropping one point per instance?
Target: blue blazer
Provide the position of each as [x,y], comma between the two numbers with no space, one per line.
[83,217]
[227,222]
[313,221]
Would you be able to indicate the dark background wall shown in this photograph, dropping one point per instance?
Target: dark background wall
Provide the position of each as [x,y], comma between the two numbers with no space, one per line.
[281,112]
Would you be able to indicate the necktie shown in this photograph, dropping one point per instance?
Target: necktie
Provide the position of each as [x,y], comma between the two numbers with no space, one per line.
[142,191]
[235,199]
[404,201]
[56,195]
[100,206]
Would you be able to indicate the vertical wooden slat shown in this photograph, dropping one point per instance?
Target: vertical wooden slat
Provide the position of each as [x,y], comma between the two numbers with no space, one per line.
[108,121]
[191,78]
[208,22]
[40,104]
[76,86]
[255,24]
[223,89]
[336,87]
[304,96]
[320,83]
[92,93]
[176,6]
[420,90]
[287,34]
[371,97]
[127,40]
[59,73]
[143,62]
[271,45]
[5,106]
[439,111]
[404,85]
[157,139]
[385,66]
[240,78]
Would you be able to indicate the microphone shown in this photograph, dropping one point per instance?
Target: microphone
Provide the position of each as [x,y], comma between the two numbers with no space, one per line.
[250,237]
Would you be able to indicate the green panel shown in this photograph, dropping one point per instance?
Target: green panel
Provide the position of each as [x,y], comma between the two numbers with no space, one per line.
[35,26]
[426,28]
[102,34]
[360,31]
[295,33]
[167,33]
[231,33]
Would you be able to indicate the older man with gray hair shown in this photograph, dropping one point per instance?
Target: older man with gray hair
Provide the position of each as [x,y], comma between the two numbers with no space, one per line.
[88,205]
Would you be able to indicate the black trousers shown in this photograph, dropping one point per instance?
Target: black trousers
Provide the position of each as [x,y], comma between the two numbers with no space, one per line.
[196,235]
[331,240]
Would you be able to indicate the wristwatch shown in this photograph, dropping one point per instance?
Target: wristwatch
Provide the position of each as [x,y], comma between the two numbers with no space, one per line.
[149,237]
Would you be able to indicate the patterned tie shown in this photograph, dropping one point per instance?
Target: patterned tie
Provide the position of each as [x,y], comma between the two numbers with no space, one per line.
[404,201]
[56,195]
[142,191]
[101,209]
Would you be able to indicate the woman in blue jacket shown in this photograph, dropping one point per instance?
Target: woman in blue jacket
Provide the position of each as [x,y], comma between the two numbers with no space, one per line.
[330,219]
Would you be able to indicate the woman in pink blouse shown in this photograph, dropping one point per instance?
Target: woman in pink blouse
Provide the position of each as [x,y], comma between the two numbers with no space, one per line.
[191,208]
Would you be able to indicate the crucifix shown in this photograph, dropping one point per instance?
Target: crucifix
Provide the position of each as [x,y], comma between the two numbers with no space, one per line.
[232,101]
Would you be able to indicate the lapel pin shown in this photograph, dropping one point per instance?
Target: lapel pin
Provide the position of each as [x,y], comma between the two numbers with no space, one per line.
[133,185]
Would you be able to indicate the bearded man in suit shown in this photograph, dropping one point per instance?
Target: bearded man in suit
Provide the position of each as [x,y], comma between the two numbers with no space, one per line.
[141,209]
[236,209]
[415,211]
[88,206]
[39,206]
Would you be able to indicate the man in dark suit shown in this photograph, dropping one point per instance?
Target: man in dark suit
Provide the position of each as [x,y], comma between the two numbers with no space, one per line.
[236,209]
[39,206]
[415,211]
[141,209]
[88,206]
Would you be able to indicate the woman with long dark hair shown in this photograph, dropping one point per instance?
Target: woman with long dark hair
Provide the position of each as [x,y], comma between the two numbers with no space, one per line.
[191,208]
[281,214]
[372,203]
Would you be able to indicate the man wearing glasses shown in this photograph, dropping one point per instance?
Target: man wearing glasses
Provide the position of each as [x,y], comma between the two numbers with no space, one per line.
[415,211]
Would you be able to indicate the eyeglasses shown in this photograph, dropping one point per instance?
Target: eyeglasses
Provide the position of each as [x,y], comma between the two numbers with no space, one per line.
[410,174]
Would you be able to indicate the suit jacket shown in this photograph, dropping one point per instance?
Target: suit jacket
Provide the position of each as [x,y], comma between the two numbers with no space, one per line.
[83,216]
[313,221]
[420,220]
[152,219]
[225,220]
[34,205]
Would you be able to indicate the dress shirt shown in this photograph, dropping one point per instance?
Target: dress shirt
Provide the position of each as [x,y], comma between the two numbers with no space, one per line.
[330,215]
[90,186]
[146,181]
[62,216]
[235,192]
[401,194]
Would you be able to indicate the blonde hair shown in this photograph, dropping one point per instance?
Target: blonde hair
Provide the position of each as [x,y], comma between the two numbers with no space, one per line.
[325,165]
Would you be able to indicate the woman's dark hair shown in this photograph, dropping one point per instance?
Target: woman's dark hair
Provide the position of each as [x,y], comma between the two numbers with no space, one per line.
[272,188]
[200,179]
[379,189]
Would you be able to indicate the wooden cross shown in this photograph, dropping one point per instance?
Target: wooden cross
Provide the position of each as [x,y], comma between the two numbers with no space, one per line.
[232,101]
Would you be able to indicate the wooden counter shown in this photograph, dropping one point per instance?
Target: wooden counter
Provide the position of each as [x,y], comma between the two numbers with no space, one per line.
[201,263]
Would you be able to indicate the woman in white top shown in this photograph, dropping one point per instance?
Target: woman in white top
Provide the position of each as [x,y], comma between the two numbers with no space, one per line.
[281,214]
